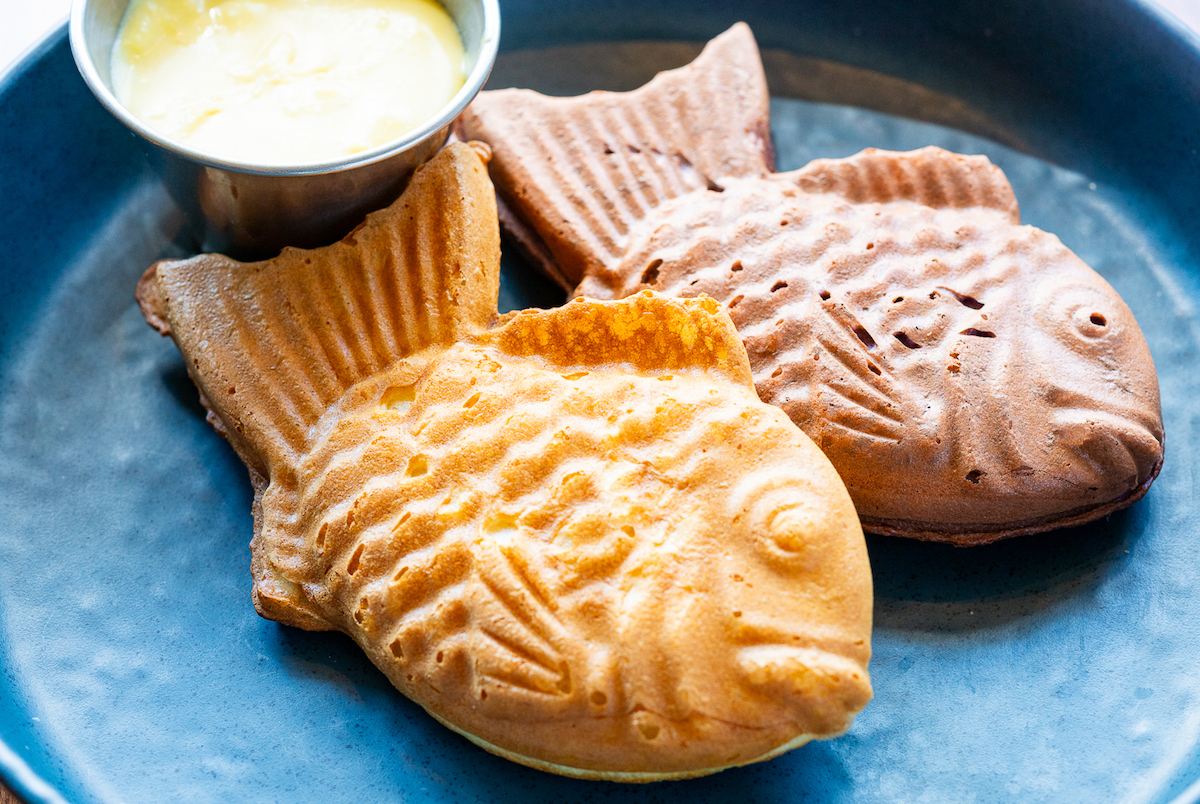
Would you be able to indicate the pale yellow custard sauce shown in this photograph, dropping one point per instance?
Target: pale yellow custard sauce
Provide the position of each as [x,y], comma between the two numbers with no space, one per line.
[278,82]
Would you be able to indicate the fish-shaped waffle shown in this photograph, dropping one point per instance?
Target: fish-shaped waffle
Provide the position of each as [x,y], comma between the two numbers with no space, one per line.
[575,536]
[969,377]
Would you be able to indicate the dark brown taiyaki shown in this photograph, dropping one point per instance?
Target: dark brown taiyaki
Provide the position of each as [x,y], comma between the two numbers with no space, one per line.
[575,536]
[969,377]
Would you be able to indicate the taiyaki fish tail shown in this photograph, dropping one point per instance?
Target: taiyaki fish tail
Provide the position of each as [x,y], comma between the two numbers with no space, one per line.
[576,536]
[575,174]
[273,345]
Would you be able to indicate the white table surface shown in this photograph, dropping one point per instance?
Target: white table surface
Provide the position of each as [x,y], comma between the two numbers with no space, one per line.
[23,22]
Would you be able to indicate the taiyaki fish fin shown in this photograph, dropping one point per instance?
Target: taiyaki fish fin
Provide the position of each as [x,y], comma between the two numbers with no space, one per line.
[580,172]
[275,596]
[274,344]
[648,332]
[930,176]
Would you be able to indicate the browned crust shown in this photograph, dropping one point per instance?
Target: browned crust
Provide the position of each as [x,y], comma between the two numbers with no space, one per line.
[213,278]
[550,231]
[271,599]
[304,580]
[929,176]
[628,777]
[273,596]
[150,301]
[971,535]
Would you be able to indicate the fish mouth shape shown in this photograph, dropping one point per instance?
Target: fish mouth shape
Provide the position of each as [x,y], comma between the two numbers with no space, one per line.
[1049,412]
[970,378]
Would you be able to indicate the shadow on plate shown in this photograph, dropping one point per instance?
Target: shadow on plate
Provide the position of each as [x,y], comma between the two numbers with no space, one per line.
[522,286]
[183,390]
[920,588]
[926,586]
[462,772]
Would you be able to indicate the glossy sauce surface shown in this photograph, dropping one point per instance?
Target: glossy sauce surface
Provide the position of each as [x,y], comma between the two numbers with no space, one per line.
[286,81]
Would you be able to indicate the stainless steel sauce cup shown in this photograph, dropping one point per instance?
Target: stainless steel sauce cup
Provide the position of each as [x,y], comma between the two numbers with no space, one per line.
[248,210]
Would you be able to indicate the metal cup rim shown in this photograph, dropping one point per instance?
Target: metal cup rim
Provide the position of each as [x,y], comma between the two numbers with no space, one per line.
[488,47]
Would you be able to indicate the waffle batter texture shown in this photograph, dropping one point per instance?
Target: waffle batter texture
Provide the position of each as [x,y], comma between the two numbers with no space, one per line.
[969,377]
[574,536]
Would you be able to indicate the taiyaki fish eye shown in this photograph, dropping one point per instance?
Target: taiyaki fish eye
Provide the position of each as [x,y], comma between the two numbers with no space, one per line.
[1081,313]
[788,528]
[1093,324]
[778,512]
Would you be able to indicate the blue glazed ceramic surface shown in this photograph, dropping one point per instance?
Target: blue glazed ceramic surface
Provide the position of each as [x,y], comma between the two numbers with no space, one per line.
[1054,668]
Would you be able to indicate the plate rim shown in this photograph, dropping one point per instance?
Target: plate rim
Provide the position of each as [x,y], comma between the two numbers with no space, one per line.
[15,771]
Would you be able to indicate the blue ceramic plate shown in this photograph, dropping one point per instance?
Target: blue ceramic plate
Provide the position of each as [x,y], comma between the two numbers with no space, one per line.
[1054,668]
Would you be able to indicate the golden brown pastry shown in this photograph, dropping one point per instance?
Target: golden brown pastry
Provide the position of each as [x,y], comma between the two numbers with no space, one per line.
[575,536]
[969,377]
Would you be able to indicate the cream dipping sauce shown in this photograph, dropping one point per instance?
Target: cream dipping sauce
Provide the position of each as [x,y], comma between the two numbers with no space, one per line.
[286,81]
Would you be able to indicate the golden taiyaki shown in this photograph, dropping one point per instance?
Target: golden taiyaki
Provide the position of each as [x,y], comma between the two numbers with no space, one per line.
[970,378]
[575,536]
